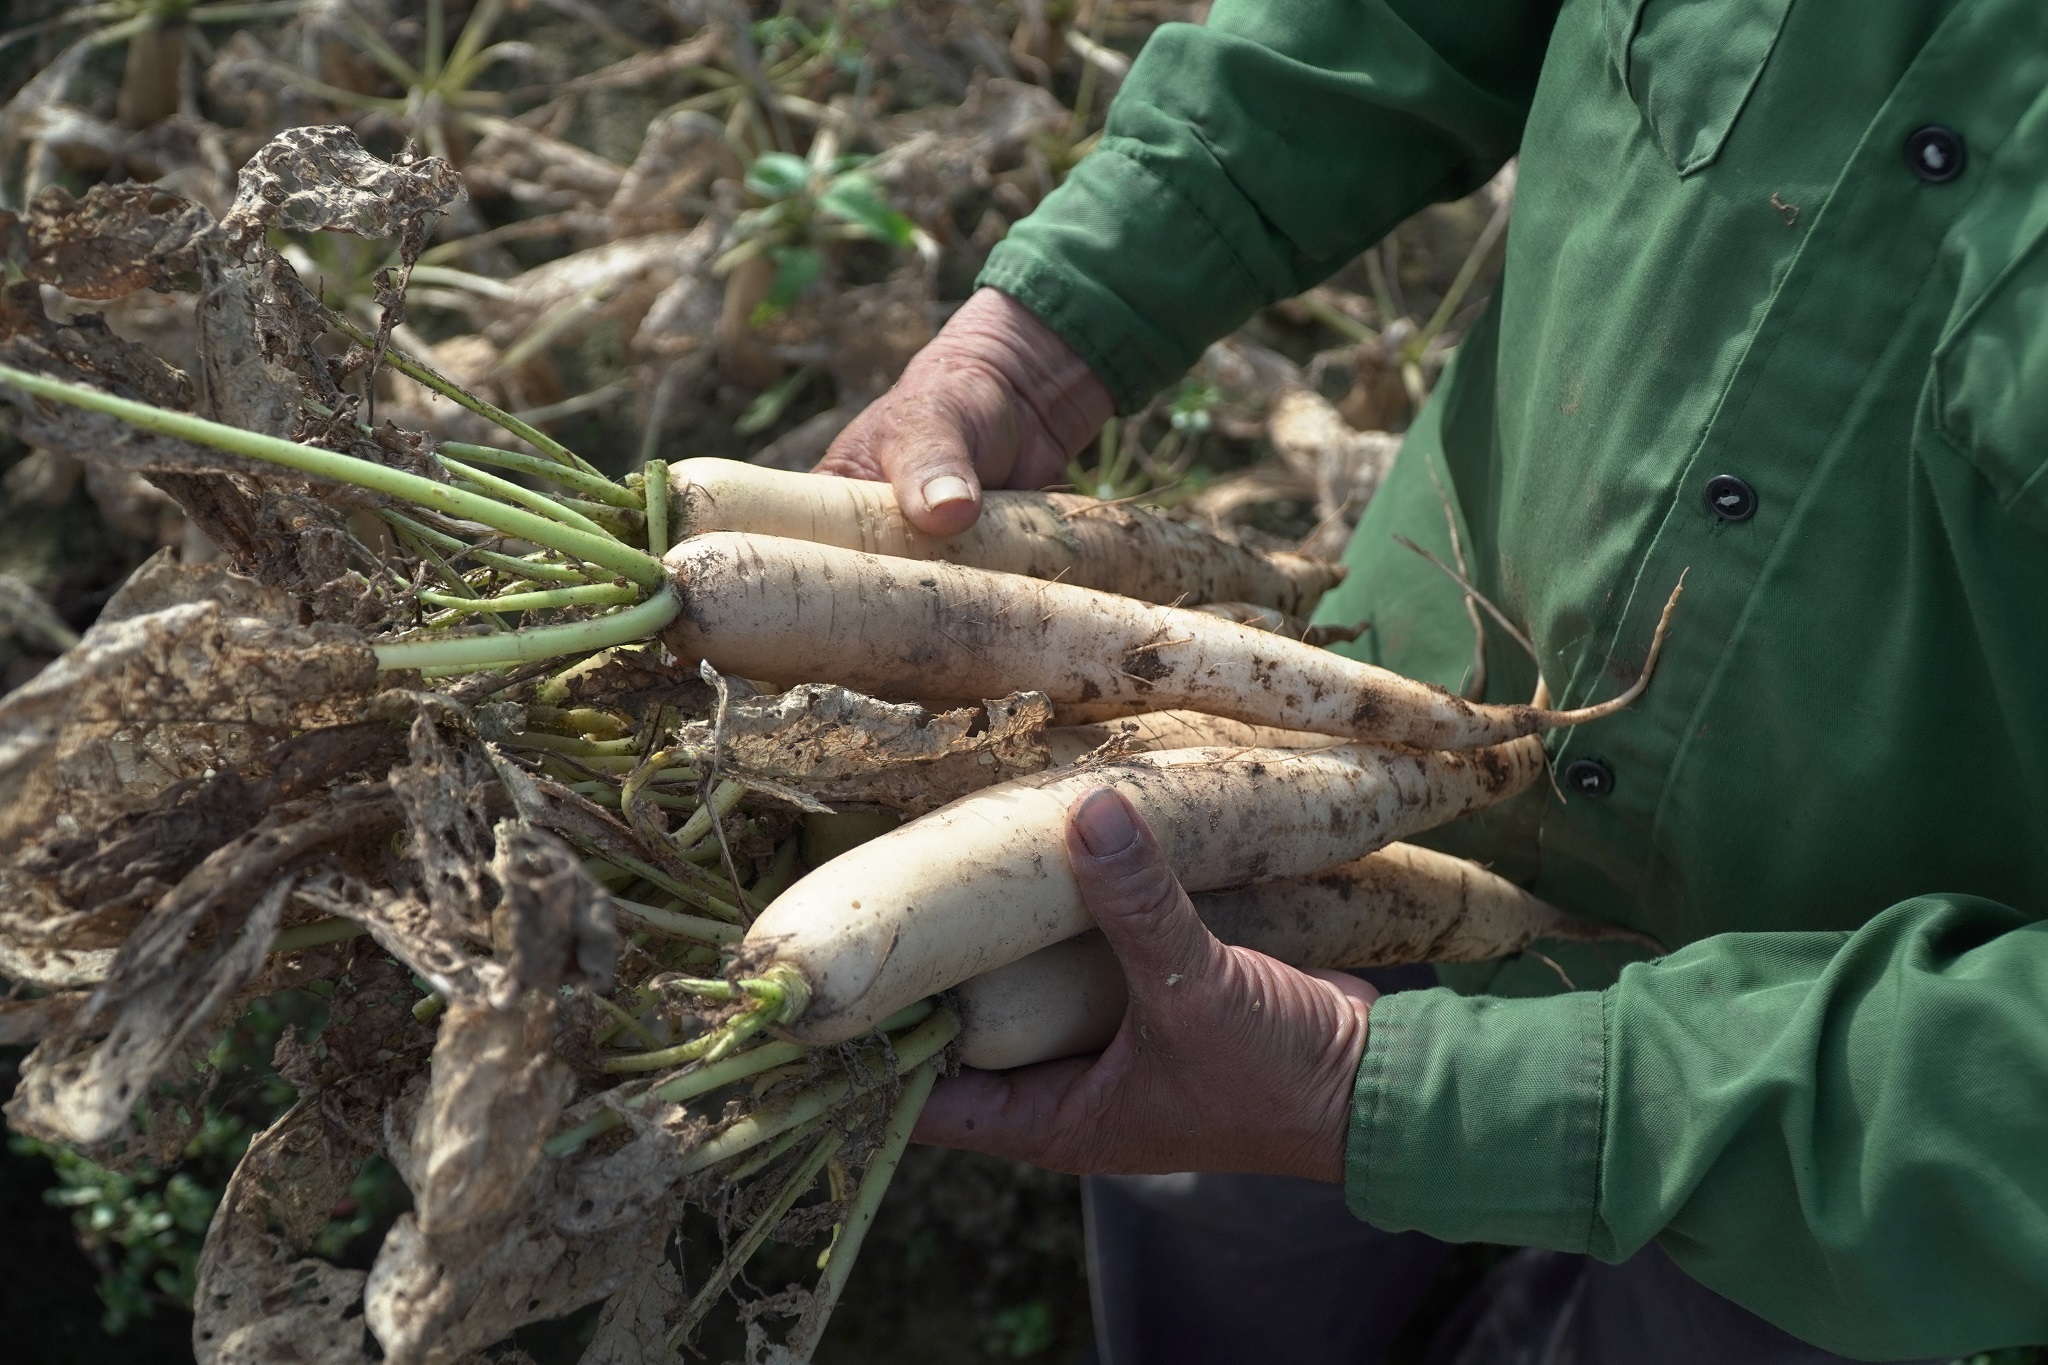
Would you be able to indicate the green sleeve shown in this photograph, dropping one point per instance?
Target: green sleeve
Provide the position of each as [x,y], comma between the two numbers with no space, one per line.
[1845,1133]
[1247,159]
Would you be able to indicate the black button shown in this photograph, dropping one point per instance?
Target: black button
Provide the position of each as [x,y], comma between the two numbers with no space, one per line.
[1936,154]
[1588,777]
[1730,499]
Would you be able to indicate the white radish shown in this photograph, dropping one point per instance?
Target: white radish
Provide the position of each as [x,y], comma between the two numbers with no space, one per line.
[985,880]
[1402,904]
[1064,1000]
[788,610]
[1280,623]
[1112,546]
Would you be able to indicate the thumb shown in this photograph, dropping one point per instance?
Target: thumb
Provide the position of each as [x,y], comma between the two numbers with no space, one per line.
[1134,896]
[953,436]
[936,485]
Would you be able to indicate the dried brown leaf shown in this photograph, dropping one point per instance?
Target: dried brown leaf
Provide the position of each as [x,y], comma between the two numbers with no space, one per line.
[496,1093]
[116,240]
[319,179]
[579,1230]
[841,746]
[633,1328]
[185,664]
[259,1299]
[198,946]
[552,924]
[449,832]
[27,1021]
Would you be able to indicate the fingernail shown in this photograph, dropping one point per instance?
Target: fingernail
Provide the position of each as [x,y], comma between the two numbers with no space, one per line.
[1105,824]
[946,488]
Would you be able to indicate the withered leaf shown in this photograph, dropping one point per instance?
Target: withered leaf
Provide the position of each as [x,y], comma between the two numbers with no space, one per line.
[552,923]
[190,663]
[578,1231]
[449,832]
[116,240]
[319,179]
[841,746]
[196,948]
[259,1299]
[496,1092]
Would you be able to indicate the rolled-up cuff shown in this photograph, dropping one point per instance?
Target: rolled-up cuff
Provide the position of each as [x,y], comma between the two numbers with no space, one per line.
[1088,263]
[1480,1119]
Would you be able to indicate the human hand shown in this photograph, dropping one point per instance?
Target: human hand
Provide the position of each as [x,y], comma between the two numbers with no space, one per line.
[995,400]
[1228,1060]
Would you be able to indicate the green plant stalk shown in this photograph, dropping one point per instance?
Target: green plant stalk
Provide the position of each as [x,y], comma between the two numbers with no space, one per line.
[333,929]
[592,486]
[608,797]
[654,489]
[673,923]
[867,1201]
[625,763]
[587,595]
[682,891]
[697,828]
[507,491]
[801,1179]
[629,525]
[427,551]
[583,720]
[912,1049]
[1468,271]
[425,374]
[1336,319]
[739,1031]
[661,1059]
[774,1151]
[641,568]
[447,544]
[624,1021]
[781,872]
[703,1080]
[478,652]
[579,748]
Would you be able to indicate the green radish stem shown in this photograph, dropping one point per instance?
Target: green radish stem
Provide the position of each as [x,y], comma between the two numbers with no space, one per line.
[874,1183]
[698,896]
[583,720]
[581,748]
[678,925]
[623,765]
[554,509]
[655,489]
[710,1046]
[781,872]
[311,935]
[533,644]
[603,794]
[800,1180]
[912,1049]
[624,1021]
[419,371]
[589,485]
[702,1080]
[598,549]
[588,595]
[529,568]
[774,1151]
[697,828]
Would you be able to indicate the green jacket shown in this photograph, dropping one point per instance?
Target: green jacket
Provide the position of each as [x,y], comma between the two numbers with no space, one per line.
[1729,256]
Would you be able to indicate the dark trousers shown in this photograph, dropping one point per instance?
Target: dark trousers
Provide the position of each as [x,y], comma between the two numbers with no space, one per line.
[1240,1269]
